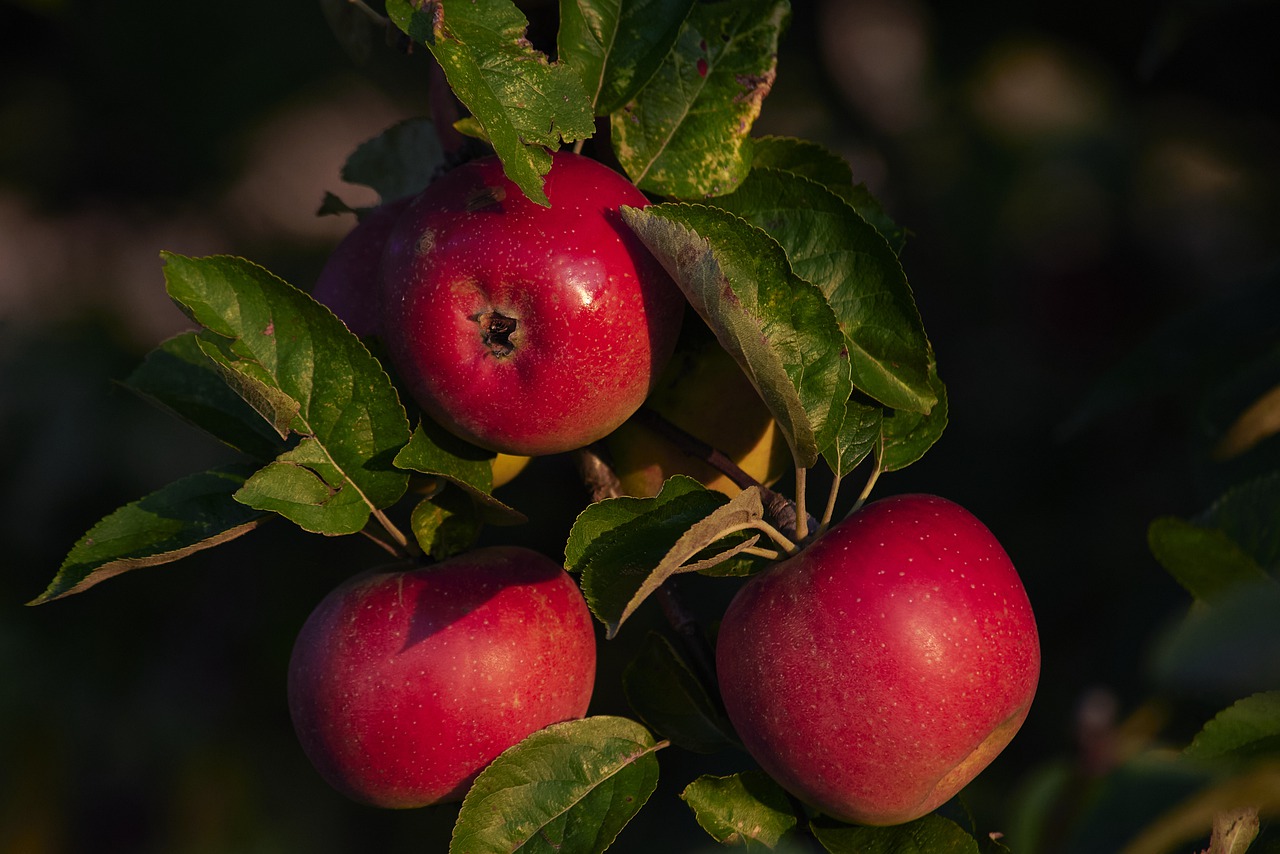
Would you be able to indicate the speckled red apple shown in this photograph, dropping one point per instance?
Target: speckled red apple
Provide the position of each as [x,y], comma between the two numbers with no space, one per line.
[877,672]
[526,329]
[404,685]
[349,281]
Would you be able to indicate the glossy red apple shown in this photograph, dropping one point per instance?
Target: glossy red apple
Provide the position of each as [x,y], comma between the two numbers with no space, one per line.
[877,672]
[349,281]
[526,329]
[404,685]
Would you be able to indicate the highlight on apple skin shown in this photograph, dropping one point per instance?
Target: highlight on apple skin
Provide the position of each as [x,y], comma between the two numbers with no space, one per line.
[404,684]
[525,329]
[878,671]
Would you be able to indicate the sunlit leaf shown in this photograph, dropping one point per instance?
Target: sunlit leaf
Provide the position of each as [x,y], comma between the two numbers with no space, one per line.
[687,133]
[570,787]
[747,809]
[292,360]
[778,327]
[616,46]
[525,103]
[191,514]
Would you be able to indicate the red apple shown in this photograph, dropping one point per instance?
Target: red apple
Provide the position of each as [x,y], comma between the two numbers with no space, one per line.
[349,281]
[404,685]
[877,672]
[526,329]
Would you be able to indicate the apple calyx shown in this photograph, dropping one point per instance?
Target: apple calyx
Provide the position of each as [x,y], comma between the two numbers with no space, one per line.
[496,330]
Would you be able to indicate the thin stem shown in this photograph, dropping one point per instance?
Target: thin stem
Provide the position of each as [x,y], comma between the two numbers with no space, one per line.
[802,516]
[756,551]
[830,509]
[577,146]
[785,543]
[382,544]
[866,490]
[402,545]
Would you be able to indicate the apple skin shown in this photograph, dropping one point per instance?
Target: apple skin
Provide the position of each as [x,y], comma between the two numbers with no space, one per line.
[705,393]
[525,329]
[349,281]
[403,685]
[878,671]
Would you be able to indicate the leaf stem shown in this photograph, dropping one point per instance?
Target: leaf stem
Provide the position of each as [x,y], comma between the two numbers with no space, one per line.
[802,516]
[402,545]
[830,509]
[866,490]
[783,541]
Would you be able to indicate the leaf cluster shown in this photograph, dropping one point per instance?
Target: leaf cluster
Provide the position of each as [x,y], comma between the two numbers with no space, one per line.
[790,263]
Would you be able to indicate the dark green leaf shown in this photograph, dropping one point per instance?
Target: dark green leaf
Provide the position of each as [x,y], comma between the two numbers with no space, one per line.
[859,435]
[906,436]
[1247,514]
[525,103]
[932,834]
[1227,649]
[616,46]
[747,809]
[296,363]
[1205,561]
[191,514]
[670,699]
[570,787]
[399,162]
[673,532]
[686,134]
[446,523]
[603,516]
[830,245]
[1246,730]
[434,451]
[810,160]
[180,377]
[778,327]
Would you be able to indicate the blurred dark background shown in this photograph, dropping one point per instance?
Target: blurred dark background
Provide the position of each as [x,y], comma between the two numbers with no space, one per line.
[1075,176]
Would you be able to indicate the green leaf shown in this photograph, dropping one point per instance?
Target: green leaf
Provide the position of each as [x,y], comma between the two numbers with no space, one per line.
[686,133]
[1247,730]
[629,562]
[570,787]
[778,327]
[616,46]
[931,834]
[524,103]
[1229,648]
[663,690]
[292,360]
[1247,514]
[180,377]
[446,523]
[191,514]
[830,245]
[860,434]
[401,161]
[434,451]
[1205,561]
[810,160]
[906,436]
[603,516]
[747,809]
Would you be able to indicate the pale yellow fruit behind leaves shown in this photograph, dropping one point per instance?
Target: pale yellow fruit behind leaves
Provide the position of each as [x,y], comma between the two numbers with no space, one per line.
[705,393]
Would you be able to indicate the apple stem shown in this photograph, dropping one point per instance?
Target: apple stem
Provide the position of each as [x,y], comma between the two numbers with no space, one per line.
[802,516]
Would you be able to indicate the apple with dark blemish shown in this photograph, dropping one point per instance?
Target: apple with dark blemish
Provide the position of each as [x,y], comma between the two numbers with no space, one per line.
[404,684]
[521,328]
[878,671]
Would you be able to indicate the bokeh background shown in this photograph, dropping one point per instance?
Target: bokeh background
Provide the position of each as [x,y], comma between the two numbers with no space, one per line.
[1075,177]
